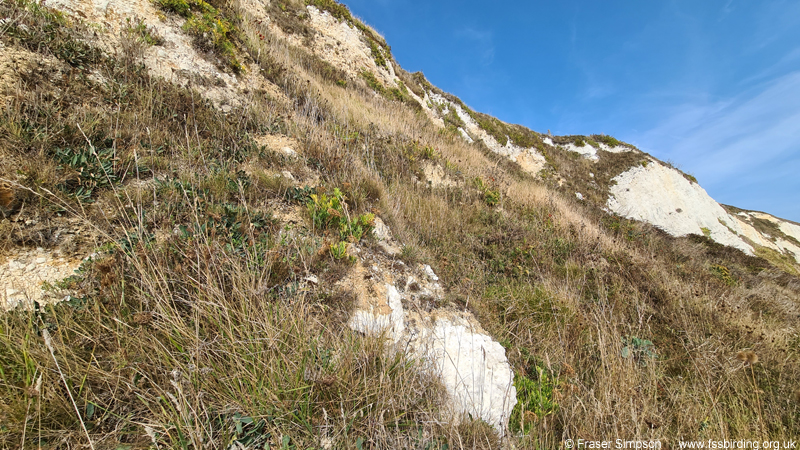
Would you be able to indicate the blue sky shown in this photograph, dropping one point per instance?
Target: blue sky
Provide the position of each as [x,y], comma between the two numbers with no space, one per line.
[713,86]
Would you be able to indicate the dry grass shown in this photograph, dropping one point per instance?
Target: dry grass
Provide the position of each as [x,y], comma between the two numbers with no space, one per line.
[198,337]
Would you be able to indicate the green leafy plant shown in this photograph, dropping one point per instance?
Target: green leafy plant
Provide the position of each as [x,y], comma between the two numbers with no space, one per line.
[723,274]
[329,212]
[535,399]
[299,194]
[490,196]
[92,169]
[338,250]
[640,350]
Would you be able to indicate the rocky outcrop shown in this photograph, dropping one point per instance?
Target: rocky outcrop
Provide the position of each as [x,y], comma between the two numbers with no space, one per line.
[587,150]
[528,158]
[401,304]
[23,274]
[664,197]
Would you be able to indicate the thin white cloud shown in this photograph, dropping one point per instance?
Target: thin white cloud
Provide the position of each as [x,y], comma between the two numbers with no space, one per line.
[736,138]
[484,43]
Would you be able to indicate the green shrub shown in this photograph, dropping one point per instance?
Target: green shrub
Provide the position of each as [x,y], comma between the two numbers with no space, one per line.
[399,93]
[377,54]
[373,82]
[213,32]
[179,7]
[608,140]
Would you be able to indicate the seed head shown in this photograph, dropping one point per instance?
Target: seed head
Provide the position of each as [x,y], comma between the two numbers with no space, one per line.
[747,356]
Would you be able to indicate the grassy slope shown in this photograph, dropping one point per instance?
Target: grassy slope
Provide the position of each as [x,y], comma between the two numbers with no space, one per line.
[201,337]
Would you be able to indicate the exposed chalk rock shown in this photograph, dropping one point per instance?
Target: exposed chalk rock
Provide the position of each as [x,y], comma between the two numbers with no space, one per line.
[473,367]
[384,237]
[655,193]
[429,272]
[528,158]
[23,273]
[662,196]
[586,150]
[615,149]
[351,52]
[378,320]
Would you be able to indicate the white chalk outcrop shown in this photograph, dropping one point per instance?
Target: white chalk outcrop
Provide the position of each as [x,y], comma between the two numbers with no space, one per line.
[23,274]
[399,304]
[587,150]
[176,60]
[528,158]
[788,243]
[663,197]
[473,367]
[345,46]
